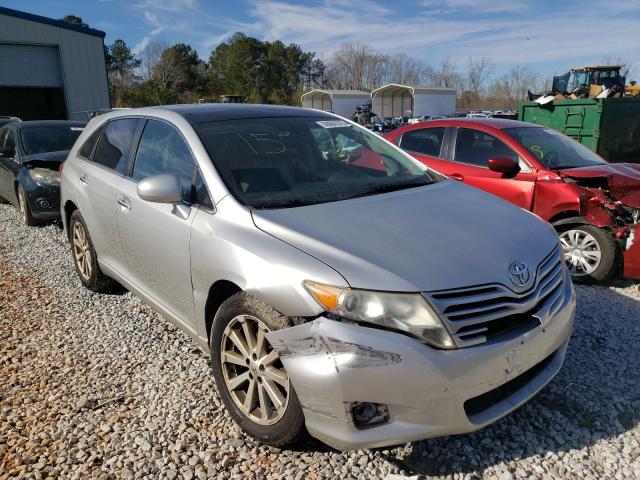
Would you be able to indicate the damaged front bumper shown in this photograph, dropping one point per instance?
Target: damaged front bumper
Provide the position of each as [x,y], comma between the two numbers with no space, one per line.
[631,255]
[426,392]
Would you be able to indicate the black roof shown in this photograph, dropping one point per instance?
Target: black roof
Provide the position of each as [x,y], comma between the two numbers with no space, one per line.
[212,112]
[50,21]
[47,123]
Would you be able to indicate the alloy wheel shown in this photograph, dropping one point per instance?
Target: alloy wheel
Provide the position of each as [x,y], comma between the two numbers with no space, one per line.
[581,251]
[253,372]
[22,204]
[81,250]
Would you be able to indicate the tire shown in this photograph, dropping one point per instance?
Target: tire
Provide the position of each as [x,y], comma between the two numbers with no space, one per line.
[590,253]
[277,427]
[24,209]
[84,256]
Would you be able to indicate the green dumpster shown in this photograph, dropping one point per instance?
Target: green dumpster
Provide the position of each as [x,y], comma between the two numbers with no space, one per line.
[608,126]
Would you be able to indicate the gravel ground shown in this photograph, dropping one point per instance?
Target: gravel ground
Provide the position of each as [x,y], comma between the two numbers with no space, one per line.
[100,386]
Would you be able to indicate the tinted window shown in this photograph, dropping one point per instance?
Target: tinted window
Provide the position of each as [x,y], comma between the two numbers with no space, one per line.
[553,149]
[87,146]
[163,150]
[476,148]
[115,144]
[201,193]
[48,138]
[427,141]
[287,162]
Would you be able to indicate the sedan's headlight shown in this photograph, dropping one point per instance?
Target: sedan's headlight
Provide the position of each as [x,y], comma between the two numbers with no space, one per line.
[44,176]
[407,312]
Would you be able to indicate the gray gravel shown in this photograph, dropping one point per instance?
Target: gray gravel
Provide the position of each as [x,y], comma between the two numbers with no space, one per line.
[100,386]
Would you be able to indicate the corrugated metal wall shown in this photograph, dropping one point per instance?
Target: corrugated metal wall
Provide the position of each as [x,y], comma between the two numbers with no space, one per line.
[81,61]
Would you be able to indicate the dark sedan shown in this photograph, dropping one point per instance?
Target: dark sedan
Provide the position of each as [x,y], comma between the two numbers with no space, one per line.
[30,157]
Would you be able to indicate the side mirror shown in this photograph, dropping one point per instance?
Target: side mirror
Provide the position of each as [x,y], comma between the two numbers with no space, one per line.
[504,165]
[163,188]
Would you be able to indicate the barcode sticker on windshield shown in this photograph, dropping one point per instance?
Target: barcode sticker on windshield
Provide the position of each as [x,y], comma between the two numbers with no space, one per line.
[77,129]
[333,123]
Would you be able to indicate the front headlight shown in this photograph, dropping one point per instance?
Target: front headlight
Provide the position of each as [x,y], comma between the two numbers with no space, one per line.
[44,176]
[407,312]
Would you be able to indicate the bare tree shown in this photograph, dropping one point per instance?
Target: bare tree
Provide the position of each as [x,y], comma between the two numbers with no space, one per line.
[404,69]
[508,90]
[625,64]
[446,75]
[150,58]
[355,66]
[479,69]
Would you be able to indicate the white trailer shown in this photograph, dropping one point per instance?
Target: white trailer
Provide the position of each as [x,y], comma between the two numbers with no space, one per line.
[340,102]
[394,100]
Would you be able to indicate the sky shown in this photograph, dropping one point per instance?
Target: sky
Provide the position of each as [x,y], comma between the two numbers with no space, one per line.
[550,36]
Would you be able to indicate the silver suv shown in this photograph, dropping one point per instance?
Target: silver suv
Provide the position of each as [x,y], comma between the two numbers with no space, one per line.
[340,286]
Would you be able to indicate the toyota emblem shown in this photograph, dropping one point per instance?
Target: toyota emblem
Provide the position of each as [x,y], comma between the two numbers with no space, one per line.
[520,274]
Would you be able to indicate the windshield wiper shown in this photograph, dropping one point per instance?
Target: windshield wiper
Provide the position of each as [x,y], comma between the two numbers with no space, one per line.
[294,202]
[390,188]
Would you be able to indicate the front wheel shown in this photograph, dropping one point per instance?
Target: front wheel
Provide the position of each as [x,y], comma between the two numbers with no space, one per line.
[590,253]
[250,376]
[25,210]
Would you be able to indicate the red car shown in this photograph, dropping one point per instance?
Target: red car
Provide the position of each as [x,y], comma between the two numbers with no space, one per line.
[594,205]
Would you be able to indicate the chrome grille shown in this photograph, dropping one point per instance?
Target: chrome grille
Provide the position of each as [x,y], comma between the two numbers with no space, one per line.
[476,314]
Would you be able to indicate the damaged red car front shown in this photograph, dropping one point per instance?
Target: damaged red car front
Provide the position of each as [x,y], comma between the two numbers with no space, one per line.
[610,198]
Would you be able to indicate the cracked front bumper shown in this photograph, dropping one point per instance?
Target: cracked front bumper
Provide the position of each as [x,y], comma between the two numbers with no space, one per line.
[333,365]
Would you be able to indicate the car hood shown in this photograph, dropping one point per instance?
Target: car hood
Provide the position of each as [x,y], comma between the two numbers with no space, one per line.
[441,236]
[621,179]
[36,159]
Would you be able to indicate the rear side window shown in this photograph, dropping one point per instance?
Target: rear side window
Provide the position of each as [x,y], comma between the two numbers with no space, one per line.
[87,146]
[476,148]
[114,145]
[427,141]
[163,150]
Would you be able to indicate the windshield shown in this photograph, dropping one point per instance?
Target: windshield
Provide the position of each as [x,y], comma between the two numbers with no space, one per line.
[554,150]
[48,138]
[287,162]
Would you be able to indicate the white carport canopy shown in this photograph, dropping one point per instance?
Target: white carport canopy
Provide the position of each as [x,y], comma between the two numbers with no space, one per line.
[340,102]
[394,100]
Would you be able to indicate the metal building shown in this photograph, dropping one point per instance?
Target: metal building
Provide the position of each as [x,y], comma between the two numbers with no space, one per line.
[50,69]
[340,102]
[395,100]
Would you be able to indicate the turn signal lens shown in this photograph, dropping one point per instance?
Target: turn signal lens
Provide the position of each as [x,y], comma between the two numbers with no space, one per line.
[325,295]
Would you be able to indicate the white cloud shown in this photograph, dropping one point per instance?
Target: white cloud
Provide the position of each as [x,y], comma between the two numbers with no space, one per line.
[538,36]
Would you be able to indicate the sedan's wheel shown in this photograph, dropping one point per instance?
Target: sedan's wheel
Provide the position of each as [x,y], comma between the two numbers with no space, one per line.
[84,256]
[23,207]
[589,252]
[252,370]
[249,373]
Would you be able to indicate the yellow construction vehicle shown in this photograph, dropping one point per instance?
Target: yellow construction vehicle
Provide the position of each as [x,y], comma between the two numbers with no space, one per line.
[587,80]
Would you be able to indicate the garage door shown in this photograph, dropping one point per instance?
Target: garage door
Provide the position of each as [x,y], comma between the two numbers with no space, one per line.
[29,66]
[31,86]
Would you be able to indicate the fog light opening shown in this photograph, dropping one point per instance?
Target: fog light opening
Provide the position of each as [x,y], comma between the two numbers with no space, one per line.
[366,414]
[44,203]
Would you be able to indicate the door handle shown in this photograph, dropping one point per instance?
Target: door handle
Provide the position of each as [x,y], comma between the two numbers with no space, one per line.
[84,179]
[124,202]
[457,176]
